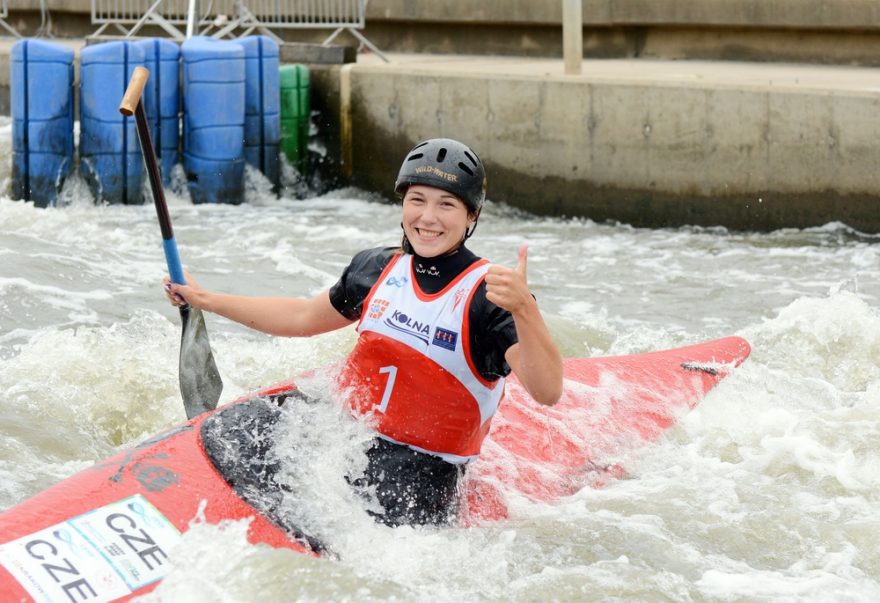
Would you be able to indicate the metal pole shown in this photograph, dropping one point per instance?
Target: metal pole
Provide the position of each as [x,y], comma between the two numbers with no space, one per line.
[572,36]
[191,17]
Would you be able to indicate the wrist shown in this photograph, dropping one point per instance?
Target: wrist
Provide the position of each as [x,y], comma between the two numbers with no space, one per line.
[527,311]
[207,302]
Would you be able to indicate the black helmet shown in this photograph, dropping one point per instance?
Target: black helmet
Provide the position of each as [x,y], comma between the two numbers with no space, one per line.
[446,164]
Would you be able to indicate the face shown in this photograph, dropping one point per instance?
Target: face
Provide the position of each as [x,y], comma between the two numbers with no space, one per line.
[434,220]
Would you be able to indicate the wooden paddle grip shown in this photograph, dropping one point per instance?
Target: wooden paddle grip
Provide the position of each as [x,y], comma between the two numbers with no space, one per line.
[133,92]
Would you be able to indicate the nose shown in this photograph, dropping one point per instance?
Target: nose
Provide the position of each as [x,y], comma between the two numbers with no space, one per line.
[429,212]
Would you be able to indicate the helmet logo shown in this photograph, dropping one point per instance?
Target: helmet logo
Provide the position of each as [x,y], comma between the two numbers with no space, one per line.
[436,172]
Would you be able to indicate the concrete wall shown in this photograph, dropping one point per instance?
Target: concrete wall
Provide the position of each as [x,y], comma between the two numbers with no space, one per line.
[859,14]
[645,153]
[756,13]
[817,31]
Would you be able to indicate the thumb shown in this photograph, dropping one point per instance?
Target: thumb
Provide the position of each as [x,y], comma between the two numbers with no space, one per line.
[522,262]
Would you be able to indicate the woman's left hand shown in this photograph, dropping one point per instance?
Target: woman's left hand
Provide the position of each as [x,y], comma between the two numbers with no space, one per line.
[534,358]
[508,288]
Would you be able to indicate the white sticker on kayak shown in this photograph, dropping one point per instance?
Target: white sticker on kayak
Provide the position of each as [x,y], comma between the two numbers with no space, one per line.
[98,556]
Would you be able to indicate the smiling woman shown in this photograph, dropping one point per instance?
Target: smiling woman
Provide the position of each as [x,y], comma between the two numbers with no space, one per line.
[435,313]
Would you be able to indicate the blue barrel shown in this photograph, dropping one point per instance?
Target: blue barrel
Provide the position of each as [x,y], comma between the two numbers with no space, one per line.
[213,119]
[109,152]
[262,121]
[162,100]
[41,96]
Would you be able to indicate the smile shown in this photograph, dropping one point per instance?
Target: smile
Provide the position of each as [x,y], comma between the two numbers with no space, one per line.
[428,234]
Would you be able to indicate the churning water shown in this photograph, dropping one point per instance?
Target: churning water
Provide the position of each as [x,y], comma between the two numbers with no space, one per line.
[768,491]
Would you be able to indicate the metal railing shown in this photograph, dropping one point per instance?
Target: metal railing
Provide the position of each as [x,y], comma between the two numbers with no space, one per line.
[4,12]
[309,13]
[129,16]
[223,18]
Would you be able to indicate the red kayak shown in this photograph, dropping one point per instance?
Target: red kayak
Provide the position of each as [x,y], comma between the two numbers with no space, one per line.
[105,533]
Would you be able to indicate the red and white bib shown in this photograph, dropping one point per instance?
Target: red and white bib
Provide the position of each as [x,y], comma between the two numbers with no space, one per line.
[411,371]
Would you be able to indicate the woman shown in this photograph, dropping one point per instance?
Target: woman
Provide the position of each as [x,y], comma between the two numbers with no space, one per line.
[439,329]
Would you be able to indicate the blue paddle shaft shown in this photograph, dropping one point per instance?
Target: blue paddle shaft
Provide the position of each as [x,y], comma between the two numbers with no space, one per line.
[172,258]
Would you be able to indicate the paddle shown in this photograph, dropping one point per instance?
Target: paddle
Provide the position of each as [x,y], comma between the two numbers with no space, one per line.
[200,383]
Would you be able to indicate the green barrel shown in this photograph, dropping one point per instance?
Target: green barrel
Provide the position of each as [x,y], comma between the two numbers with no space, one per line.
[295,109]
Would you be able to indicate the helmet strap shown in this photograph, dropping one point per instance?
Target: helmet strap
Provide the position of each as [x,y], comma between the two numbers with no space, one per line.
[469,232]
[405,245]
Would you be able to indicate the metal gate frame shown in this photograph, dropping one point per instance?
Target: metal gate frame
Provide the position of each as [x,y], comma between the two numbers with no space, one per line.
[224,17]
[167,14]
[4,12]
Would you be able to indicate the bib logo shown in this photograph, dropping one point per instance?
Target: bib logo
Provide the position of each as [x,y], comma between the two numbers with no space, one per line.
[445,339]
[397,282]
[459,295]
[403,323]
[377,308]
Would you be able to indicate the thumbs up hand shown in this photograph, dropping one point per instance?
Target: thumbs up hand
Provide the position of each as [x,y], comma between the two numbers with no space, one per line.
[534,359]
[508,288]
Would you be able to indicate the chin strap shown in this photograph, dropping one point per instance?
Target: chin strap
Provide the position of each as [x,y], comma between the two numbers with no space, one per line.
[468,233]
[405,244]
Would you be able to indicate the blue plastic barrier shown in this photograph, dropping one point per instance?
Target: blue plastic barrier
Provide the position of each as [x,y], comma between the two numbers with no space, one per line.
[110,158]
[262,125]
[162,100]
[41,96]
[213,119]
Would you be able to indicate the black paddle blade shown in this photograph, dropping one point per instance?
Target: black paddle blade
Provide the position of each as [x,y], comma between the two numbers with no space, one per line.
[200,383]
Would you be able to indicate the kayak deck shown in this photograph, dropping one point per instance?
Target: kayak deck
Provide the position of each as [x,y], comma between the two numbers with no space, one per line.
[609,405]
